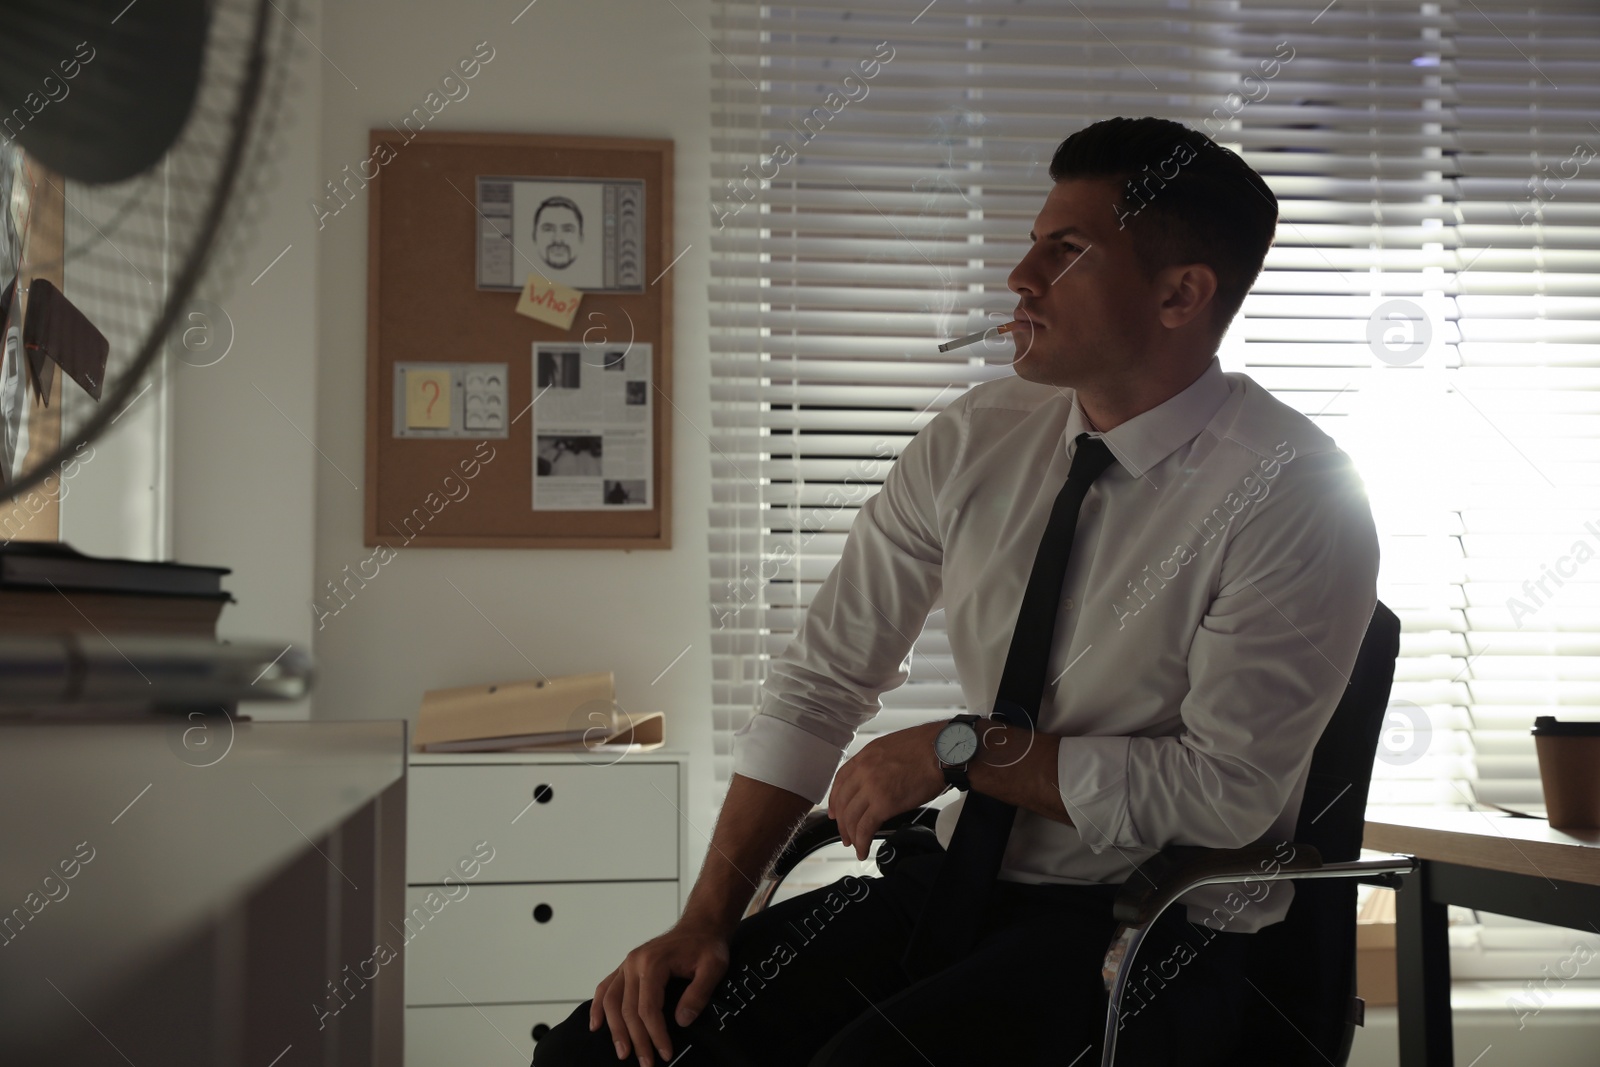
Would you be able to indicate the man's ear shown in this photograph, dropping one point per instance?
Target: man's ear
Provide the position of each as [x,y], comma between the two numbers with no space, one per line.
[1186,293]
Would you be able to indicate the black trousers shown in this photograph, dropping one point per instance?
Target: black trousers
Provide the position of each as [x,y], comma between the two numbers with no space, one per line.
[815,981]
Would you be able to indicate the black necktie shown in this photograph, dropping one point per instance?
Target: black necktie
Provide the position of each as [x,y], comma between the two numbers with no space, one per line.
[947,927]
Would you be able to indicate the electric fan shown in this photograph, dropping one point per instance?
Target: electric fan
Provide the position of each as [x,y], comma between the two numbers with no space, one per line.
[153,121]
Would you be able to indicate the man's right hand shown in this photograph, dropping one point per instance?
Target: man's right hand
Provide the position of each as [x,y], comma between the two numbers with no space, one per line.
[757,819]
[630,998]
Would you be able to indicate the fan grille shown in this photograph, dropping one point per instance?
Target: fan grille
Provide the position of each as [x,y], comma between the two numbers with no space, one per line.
[144,253]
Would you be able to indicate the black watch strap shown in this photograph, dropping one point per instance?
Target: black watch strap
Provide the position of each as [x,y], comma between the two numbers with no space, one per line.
[956,775]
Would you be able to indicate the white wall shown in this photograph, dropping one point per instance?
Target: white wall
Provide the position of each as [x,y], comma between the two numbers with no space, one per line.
[203,468]
[242,460]
[594,67]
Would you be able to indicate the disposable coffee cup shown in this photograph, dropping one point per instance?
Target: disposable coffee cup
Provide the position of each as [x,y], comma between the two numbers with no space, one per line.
[1569,768]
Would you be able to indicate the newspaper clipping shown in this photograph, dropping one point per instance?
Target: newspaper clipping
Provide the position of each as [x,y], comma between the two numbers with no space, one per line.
[591,427]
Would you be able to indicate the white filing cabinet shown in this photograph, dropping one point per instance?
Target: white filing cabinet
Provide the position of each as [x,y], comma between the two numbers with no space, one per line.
[585,859]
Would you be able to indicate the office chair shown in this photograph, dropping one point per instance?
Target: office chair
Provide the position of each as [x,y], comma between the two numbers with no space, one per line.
[1308,959]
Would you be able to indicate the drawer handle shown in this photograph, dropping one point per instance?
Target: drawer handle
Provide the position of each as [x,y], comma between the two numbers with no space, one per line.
[539,1030]
[542,913]
[543,793]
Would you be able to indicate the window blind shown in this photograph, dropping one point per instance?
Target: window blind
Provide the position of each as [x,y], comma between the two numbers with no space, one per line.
[1428,301]
[1471,414]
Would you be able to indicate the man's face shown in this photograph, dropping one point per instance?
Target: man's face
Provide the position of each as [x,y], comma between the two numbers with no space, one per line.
[1092,310]
[557,236]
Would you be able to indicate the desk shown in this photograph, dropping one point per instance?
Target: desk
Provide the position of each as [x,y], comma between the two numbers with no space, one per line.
[1490,862]
[219,892]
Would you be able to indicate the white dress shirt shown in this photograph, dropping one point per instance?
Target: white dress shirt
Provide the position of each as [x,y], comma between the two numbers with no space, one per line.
[1221,579]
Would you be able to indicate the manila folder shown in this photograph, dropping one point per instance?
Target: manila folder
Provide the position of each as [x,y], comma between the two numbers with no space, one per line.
[509,709]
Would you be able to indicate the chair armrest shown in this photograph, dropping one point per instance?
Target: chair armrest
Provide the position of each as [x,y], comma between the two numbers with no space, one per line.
[1176,869]
[817,830]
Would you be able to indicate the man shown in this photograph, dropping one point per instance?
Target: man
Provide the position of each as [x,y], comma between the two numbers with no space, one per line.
[558,231]
[1218,585]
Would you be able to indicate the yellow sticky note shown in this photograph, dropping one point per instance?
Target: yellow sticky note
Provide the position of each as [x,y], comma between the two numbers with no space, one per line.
[428,399]
[548,301]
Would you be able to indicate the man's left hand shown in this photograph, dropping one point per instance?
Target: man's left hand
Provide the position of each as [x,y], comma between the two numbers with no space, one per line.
[892,774]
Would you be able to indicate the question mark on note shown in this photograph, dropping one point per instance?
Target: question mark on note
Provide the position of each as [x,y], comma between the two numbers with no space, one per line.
[427,395]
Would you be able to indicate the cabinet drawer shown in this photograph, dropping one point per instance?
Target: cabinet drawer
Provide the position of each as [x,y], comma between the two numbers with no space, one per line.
[491,945]
[546,822]
[492,1035]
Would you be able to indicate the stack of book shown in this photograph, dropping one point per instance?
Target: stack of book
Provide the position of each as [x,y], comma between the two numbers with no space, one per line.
[573,713]
[51,588]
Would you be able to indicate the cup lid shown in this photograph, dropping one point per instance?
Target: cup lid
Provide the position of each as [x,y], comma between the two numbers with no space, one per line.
[1549,726]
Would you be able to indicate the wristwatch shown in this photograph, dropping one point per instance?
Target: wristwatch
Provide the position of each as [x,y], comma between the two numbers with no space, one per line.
[955,746]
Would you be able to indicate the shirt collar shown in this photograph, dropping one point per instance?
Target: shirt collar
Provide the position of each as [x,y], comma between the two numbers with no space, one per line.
[1148,438]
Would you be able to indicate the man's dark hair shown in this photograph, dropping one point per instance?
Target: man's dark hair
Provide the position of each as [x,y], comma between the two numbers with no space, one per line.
[1185,199]
[558,201]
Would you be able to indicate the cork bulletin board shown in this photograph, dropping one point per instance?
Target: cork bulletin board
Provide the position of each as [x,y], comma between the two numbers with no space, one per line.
[519,340]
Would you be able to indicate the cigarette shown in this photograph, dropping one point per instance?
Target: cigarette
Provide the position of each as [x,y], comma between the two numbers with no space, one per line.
[972,339]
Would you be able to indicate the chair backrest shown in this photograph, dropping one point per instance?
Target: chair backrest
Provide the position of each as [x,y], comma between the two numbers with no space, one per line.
[1306,963]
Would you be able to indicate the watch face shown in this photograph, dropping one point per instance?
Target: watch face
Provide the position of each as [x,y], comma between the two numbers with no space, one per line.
[957,743]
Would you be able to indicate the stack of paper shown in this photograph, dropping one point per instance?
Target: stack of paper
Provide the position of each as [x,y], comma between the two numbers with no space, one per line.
[573,713]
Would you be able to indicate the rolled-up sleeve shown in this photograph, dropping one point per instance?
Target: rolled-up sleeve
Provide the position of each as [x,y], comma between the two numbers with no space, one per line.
[1267,666]
[854,641]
